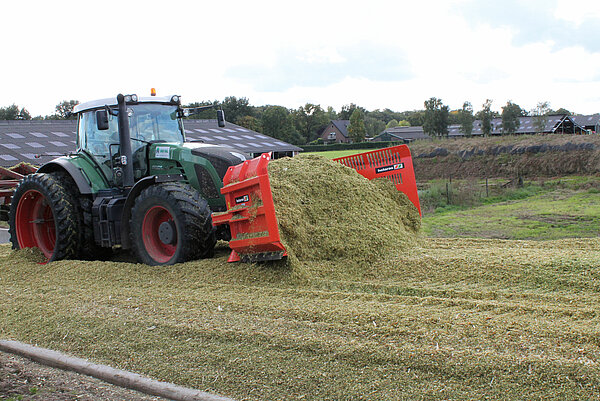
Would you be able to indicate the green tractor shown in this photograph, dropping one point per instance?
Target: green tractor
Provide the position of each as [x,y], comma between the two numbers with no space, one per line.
[134,183]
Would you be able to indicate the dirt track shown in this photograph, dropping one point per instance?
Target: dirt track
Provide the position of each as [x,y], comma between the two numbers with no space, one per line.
[31,381]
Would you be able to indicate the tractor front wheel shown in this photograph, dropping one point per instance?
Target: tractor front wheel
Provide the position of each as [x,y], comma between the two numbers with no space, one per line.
[43,215]
[171,223]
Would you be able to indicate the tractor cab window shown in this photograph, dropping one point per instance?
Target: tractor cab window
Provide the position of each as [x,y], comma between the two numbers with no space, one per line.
[98,143]
[153,122]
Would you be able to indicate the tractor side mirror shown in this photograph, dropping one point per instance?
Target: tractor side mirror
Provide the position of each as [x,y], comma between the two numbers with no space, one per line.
[221,118]
[102,120]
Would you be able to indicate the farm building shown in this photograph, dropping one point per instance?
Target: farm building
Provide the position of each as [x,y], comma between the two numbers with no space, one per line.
[336,132]
[554,124]
[590,123]
[39,141]
[400,134]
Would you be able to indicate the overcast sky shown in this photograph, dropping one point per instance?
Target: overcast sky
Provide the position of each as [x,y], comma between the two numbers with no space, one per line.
[377,54]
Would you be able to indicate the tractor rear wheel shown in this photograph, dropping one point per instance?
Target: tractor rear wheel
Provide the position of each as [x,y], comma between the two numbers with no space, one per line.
[43,214]
[171,223]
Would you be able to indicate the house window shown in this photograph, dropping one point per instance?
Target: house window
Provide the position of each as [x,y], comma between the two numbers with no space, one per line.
[331,135]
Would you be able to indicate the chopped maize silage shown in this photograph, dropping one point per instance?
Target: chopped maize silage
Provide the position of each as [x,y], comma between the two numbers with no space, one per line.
[327,211]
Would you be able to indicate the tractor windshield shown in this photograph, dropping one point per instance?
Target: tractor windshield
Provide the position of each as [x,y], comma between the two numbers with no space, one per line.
[154,122]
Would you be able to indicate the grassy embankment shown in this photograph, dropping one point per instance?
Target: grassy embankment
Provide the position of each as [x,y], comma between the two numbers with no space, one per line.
[452,319]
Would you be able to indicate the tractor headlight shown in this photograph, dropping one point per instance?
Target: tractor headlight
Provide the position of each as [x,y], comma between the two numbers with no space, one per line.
[131,98]
[175,99]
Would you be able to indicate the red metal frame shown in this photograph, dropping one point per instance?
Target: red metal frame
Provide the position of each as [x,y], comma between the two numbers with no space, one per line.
[250,212]
[393,163]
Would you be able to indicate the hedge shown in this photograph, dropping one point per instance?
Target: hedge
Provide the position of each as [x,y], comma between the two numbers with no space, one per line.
[348,146]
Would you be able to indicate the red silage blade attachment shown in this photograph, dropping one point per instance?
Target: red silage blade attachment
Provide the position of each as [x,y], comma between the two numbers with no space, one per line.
[250,213]
[393,163]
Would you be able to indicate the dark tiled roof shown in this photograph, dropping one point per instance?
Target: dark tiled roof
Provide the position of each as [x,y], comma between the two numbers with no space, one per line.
[39,141]
[406,133]
[342,126]
[526,126]
[590,120]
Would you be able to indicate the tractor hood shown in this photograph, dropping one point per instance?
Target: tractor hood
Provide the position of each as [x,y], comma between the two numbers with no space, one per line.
[221,157]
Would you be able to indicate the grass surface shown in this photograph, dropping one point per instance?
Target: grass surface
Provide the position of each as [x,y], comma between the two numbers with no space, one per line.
[539,214]
[451,319]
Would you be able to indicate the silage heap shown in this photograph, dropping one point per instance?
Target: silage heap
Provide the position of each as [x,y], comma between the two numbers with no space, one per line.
[327,211]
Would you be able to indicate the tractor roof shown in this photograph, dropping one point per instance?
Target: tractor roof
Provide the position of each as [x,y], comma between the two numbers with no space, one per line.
[112,101]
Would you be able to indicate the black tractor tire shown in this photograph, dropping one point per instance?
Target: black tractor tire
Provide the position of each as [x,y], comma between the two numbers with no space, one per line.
[43,214]
[87,249]
[171,223]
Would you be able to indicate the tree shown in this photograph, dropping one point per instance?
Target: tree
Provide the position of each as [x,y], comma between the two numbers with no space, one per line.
[466,119]
[562,110]
[486,115]
[373,126]
[392,123]
[347,111]
[357,129]
[249,122]
[65,108]
[310,120]
[13,112]
[235,108]
[510,118]
[436,117]
[277,123]
[403,123]
[540,116]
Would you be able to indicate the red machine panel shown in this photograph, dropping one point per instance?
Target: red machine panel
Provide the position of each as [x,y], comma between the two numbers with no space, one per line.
[393,163]
[250,212]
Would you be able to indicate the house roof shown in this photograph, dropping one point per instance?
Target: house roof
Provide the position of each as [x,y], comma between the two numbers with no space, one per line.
[342,126]
[39,141]
[406,133]
[587,121]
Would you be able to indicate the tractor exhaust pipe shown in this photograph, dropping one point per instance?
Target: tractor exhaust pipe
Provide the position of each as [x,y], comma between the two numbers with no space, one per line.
[125,142]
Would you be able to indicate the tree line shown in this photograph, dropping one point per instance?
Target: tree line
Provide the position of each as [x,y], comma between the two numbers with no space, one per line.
[438,117]
[305,124]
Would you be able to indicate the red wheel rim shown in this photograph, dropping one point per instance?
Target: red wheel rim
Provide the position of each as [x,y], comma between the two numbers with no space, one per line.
[158,250]
[34,223]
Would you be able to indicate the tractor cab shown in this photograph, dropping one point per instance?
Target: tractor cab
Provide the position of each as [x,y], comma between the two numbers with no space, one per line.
[152,120]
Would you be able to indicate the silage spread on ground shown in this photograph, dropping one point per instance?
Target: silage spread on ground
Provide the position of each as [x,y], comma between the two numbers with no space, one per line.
[327,211]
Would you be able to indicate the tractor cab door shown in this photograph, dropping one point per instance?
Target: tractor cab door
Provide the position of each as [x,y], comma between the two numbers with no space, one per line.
[101,145]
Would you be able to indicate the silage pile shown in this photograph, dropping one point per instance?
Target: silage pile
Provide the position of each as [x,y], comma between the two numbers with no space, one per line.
[327,211]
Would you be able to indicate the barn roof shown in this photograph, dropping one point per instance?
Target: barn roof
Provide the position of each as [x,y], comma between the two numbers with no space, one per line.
[39,141]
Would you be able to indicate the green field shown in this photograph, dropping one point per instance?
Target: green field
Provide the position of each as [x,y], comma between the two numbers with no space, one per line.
[450,319]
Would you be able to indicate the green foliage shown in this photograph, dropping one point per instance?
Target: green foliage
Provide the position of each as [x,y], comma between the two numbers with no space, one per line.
[65,108]
[436,118]
[310,120]
[466,119]
[249,122]
[347,111]
[356,129]
[277,122]
[403,123]
[486,115]
[392,123]
[510,117]
[13,112]
[374,126]
[540,116]
[235,108]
